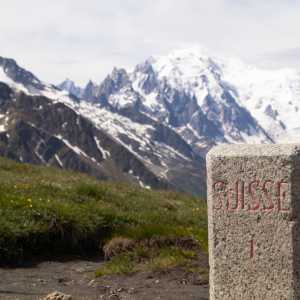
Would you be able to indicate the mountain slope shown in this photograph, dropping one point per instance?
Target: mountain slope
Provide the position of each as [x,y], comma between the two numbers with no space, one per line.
[165,114]
[36,130]
[47,126]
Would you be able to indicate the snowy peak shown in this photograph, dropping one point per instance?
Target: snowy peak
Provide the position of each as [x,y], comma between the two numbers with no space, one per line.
[116,91]
[17,77]
[114,82]
[119,78]
[89,92]
[70,87]
[187,69]
[145,76]
[188,90]
[21,80]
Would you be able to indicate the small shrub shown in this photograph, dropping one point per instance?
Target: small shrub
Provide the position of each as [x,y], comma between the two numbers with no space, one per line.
[116,246]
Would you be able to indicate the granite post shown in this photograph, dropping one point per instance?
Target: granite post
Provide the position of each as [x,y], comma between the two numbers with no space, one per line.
[253,217]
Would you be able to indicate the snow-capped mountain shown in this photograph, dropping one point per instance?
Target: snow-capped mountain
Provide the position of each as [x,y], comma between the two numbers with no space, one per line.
[152,124]
[192,95]
[208,100]
[248,104]
[40,123]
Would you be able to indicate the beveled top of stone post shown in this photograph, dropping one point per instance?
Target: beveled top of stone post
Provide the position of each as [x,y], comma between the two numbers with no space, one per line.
[241,150]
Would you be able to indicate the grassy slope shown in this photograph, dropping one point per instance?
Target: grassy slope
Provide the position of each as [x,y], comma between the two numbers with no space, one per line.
[44,210]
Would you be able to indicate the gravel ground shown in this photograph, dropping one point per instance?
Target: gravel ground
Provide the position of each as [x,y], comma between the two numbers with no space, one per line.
[76,277]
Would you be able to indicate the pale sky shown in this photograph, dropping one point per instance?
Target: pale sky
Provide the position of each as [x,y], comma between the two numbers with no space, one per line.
[84,40]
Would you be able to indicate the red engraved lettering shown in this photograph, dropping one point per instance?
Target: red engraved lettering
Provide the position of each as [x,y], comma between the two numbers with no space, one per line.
[238,194]
[241,193]
[267,191]
[252,189]
[219,189]
[230,198]
[282,195]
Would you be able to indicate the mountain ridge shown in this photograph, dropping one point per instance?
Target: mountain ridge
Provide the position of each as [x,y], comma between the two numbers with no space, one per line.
[245,103]
[165,114]
[57,123]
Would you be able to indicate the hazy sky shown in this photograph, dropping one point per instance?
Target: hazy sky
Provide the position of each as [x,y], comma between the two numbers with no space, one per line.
[84,40]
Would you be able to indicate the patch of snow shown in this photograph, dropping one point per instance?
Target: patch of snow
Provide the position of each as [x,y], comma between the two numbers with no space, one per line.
[58,160]
[124,98]
[76,149]
[36,151]
[105,154]
[148,187]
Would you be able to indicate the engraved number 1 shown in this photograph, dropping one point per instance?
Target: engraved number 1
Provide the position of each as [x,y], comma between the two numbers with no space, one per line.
[252,251]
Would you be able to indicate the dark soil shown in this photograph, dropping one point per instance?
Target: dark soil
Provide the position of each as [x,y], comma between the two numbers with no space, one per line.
[76,277]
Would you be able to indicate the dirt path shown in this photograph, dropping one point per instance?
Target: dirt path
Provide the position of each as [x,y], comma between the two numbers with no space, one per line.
[76,277]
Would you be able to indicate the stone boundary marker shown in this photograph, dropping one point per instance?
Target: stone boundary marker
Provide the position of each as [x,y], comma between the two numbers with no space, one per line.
[253,219]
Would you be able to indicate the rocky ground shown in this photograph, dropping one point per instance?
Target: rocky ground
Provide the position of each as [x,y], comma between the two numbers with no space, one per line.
[76,278]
